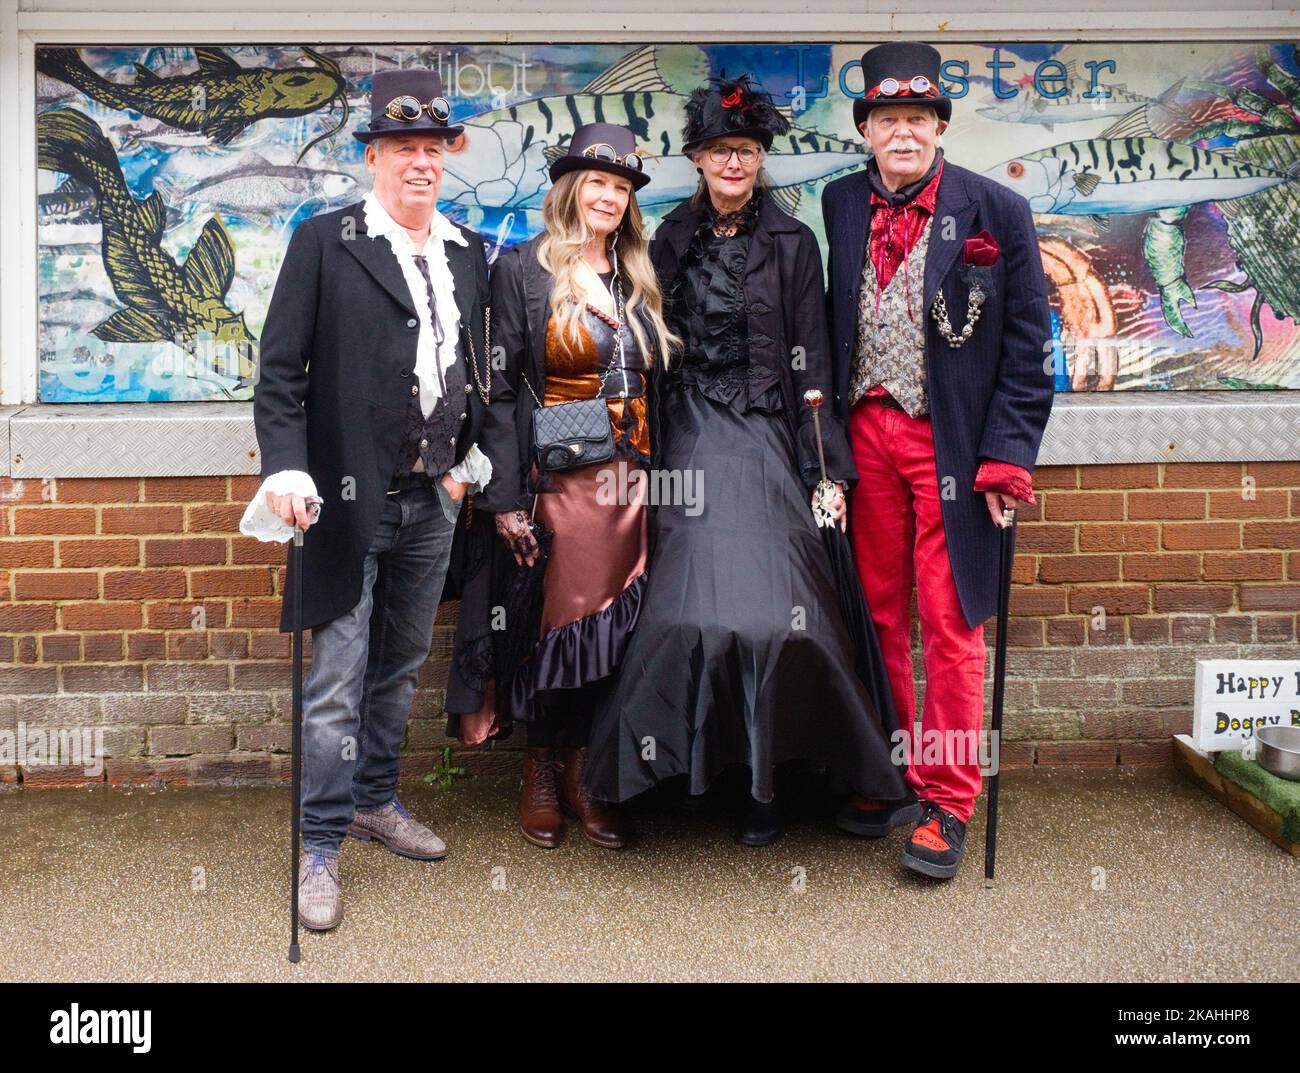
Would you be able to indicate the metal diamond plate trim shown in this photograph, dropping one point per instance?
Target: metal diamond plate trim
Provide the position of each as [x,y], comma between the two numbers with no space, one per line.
[184,439]
[179,439]
[1190,426]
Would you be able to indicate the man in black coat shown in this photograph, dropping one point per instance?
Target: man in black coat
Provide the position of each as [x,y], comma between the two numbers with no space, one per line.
[366,397]
[941,349]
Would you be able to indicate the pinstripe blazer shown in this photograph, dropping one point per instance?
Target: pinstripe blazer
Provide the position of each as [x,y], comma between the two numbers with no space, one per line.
[989,398]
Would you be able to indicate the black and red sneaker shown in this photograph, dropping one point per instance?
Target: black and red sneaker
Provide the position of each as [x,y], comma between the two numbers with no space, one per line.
[875,819]
[936,846]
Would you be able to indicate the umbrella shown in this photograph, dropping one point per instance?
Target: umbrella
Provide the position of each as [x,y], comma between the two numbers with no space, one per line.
[869,661]
[520,595]
[1008,554]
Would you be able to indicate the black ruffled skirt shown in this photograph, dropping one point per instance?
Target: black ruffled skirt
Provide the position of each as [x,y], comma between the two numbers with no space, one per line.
[739,655]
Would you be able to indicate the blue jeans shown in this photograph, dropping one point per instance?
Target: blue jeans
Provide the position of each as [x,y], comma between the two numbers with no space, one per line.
[365,664]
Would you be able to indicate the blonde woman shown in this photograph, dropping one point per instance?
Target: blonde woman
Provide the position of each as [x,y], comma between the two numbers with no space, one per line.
[576,323]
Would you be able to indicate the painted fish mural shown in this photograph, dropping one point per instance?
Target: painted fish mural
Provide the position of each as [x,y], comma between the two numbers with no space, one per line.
[221,99]
[163,301]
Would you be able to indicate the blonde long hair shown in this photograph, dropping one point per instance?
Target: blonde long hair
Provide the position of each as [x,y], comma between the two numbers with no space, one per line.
[560,251]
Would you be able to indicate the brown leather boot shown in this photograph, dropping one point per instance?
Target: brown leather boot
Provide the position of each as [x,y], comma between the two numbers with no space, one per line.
[601,822]
[539,807]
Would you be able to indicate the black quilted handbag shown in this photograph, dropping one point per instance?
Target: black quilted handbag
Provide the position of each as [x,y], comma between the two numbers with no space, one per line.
[572,434]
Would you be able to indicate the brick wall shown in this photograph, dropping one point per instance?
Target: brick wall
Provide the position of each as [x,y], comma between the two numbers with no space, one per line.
[136,606]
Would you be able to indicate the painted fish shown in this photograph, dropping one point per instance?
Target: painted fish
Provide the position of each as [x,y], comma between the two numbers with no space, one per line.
[221,99]
[1099,176]
[163,302]
[260,190]
[1074,106]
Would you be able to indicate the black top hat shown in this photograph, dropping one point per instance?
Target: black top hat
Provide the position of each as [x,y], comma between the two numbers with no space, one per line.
[891,74]
[602,147]
[411,92]
[731,107]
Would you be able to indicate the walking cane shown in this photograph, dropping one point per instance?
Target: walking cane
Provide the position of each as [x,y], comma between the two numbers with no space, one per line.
[295,569]
[1008,552]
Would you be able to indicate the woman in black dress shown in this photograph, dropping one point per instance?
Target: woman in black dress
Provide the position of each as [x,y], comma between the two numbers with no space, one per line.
[740,655]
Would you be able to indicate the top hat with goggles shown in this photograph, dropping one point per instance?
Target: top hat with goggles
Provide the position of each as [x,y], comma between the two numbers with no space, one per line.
[603,147]
[900,72]
[408,101]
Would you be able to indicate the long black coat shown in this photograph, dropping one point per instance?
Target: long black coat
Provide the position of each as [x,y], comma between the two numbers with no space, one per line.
[336,367]
[989,398]
[783,296]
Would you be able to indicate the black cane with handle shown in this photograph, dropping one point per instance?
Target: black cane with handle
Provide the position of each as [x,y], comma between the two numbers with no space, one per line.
[1006,558]
[295,569]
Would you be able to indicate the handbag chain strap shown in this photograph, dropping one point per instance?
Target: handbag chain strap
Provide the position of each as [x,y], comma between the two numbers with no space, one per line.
[615,357]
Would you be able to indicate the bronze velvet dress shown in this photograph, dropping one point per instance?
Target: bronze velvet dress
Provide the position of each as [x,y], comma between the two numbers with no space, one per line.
[596,570]
[740,656]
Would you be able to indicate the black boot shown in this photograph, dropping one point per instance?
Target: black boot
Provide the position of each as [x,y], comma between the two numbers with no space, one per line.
[759,823]
[936,847]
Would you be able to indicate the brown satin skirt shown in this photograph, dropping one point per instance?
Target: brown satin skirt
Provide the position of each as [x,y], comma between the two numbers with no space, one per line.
[598,547]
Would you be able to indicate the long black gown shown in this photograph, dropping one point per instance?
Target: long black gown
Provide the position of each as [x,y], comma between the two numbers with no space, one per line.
[740,655]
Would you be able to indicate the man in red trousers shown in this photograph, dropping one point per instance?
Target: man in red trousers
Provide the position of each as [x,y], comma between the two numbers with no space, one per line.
[941,350]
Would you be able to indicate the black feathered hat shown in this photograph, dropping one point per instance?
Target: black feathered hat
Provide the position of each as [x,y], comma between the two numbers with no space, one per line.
[888,74]
[731,106]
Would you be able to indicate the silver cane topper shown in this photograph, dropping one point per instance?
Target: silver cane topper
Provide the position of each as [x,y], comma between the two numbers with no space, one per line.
[826,491]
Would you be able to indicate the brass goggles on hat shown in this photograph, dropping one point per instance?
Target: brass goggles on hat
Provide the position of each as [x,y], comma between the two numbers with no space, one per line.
[606,152]
[892,87]
[408,110]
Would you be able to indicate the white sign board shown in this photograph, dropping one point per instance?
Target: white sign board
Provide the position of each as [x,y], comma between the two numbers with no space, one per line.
[1235,697]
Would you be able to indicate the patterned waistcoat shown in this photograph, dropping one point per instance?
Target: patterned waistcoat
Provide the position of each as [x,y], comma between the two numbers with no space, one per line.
[890,348]
[433,439]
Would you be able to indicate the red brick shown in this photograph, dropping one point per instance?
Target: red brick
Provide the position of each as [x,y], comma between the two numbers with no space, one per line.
[1126,475]
[1193,597]
[143,584]
[29,520]
[99,552]
[103,678]
[214,518]
[1023,570]
[187,644]
[1275,474]
[1036,537]
[1083,506]
[100,616]
[1234,566]
[1025,601]
[1021,633]
[255,613]
[229,644]
[146,645]
[98,490]
[1146,753]
[1271,535]
[62,776]
[1270,597]
[248,551]
[231,582]
[132,772]
[1201,535]
[242,489]
[27,650]
[187,552]
[28,617]
[184,489]
[1076,753]
[102,646]
[60,647]
[1202,474]
[1167,567]
[1058,568]
[142,520]
[170,615]
[1234,629]
[1116,599]
[25,490]
[1065,632]
[1191,629]
[1266,504]
[1124,537]
[231,770]
[1275,629]
[271,645]
[57,585]
[1165,505]
[14,553]
[1293,566]
[1056,477]
[1148,630]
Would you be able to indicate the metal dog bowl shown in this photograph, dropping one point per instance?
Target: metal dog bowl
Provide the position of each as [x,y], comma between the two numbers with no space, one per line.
[1278,751]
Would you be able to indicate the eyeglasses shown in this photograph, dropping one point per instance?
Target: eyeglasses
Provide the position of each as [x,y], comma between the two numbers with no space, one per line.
[721,154]
[891,87]
[408,109]
[606,152]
